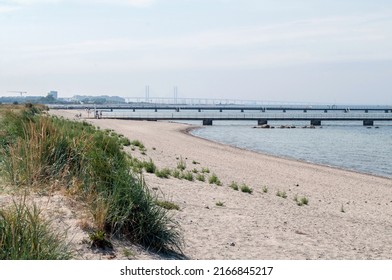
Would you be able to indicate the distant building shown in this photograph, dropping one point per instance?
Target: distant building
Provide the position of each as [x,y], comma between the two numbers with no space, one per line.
[101,99]
[53,94]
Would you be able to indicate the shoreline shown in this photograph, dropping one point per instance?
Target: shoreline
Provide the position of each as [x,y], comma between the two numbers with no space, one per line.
[189,130]
[348,215]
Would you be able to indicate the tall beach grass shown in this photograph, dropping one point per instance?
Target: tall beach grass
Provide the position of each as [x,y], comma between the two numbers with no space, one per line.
[90,164]
[24,235]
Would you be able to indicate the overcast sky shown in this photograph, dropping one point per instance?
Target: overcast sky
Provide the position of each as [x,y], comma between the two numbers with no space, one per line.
[325,51]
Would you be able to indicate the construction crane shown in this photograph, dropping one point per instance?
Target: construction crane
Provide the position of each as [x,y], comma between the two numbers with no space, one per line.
[18,91]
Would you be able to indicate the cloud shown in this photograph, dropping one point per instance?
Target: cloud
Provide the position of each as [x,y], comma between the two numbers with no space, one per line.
[317,40]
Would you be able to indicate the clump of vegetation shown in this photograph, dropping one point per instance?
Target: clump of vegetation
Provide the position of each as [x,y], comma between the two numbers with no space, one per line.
[195,170]
[167,205]
[214,180]
[125,141]
[264,189]
[176,173]
[163,173]
[128,253]
[24,235]
[137,143]
[246,189]
[181,165]
[220,204]
[281,194]
[149,166]
[195,162]
[98,239]
[205,170]
[188,176]
[234,186]
[301,201]
[200,177]
[136,165]
[37,150]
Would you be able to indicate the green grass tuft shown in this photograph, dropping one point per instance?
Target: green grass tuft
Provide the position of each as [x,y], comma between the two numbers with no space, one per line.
[220,204]
[214,180]
[205,170]
[234,186]
[281,194]
[163,173]
[167,205]
[246,189]
[149,166]
[25,236]
[200,177]
[188,176]
[181,165]
[137,143]
[176,174]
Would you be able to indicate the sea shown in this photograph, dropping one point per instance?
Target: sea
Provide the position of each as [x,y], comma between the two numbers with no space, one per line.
[346,145]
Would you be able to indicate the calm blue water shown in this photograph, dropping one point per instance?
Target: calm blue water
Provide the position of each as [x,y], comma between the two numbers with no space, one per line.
[345,145]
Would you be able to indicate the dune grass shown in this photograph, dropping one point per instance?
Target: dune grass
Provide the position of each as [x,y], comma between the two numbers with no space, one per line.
[167,205]
[234,186]
[246,189]
[24,235]
[38,150]
[213,179]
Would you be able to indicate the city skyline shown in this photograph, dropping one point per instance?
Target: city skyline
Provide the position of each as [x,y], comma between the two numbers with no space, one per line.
[307,51]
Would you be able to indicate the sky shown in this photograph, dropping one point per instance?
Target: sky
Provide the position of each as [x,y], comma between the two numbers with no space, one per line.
[313,51]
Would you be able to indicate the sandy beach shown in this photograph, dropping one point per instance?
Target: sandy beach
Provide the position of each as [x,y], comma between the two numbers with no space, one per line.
[348,215]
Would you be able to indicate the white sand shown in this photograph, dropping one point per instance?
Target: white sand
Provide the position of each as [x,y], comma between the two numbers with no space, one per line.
[263,225]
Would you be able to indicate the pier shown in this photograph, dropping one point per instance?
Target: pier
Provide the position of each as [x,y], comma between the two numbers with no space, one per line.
[207,118]
[261,113]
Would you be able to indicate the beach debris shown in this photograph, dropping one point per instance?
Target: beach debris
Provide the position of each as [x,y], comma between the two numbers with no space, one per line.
[232,244]
[263,126]
[287,126]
